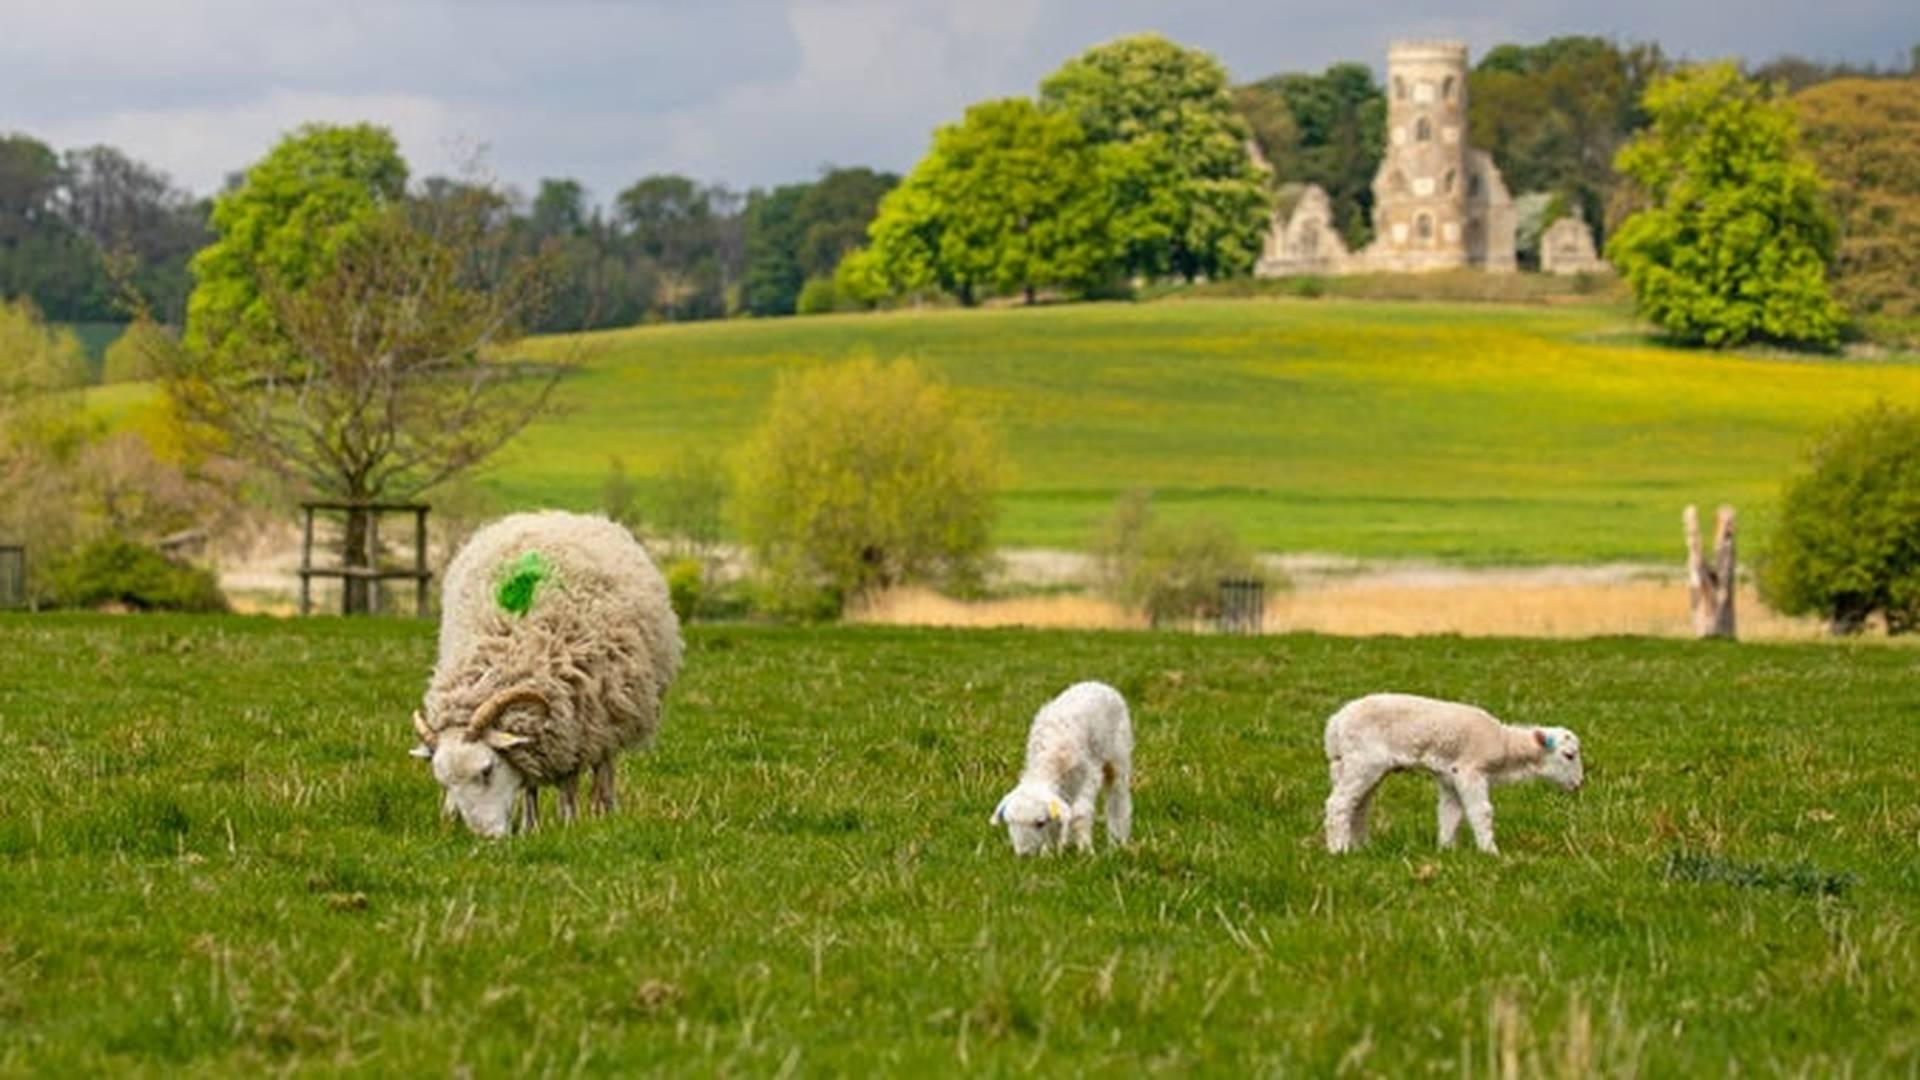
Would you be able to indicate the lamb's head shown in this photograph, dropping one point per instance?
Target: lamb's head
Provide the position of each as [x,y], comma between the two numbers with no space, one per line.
[1560,759]
[1035,817]
[481,783]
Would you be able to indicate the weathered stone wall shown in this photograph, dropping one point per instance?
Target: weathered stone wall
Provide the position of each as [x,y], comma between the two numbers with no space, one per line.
[1566,247]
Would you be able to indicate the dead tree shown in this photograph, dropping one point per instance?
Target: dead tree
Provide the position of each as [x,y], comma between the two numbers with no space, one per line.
[1710,587]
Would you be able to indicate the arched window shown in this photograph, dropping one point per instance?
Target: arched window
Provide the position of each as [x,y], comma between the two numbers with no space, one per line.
[1449,181]
[1446,88]
[1423,131]
[1423,227]
[1473,184]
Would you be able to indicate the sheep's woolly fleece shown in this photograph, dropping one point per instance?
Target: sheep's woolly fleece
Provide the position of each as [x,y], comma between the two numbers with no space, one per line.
[571,606]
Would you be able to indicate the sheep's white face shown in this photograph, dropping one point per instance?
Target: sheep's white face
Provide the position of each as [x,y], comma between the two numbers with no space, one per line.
[481,785]
[1562,762]
[1035,820]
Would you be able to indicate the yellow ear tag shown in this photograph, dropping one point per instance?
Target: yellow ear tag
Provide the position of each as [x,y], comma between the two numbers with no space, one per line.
[1053,809]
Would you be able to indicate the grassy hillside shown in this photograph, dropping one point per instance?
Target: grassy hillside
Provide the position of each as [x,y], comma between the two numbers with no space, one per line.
[216,857]
[1474,433]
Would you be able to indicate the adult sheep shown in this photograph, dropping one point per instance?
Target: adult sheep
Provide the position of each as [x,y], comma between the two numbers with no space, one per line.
[557,644]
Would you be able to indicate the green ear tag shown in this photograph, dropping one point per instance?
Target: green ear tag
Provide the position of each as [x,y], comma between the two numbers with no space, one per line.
[522,576]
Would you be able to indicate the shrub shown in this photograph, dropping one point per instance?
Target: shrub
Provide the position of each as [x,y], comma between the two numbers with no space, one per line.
[817,297]
[686,582]
[114,570]
[1847,544]
[1171,572]
[864,476]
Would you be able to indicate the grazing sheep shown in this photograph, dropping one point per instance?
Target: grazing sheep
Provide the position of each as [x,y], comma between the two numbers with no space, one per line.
[1465,749]
[1080,742]
[557,644]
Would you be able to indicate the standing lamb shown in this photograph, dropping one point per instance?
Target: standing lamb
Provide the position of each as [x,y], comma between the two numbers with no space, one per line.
[1465,749]
[557,644]
[1079,743]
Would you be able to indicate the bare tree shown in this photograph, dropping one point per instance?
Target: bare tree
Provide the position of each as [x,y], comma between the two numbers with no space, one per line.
[1710,585]
[399,378]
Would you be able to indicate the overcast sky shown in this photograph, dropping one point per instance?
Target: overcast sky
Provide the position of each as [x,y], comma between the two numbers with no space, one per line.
[751,92]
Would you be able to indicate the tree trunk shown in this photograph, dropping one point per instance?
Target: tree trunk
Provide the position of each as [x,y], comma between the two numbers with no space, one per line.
[1710,586]
[354,591]
[1029,291]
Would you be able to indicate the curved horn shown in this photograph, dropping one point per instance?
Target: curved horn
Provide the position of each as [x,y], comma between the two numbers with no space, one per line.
[428,736]
[490,709]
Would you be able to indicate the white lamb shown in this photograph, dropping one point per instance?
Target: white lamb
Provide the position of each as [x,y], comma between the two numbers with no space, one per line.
[1465,748]
[1079,743]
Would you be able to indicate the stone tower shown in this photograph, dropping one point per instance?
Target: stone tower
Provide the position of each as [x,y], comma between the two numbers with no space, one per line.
[1438,203]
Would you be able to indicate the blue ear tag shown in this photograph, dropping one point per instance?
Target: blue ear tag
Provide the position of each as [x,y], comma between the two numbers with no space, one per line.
[1551,739]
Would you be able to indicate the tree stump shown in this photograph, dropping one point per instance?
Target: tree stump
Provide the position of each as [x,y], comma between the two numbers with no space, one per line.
[1710,586]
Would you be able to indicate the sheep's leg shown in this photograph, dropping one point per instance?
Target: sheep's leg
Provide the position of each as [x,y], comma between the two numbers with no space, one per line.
[1450,811]
[1081,827]
[567,795]
[600,797]
[1347,806]
[1479,807]
[1119,803]
[530,809]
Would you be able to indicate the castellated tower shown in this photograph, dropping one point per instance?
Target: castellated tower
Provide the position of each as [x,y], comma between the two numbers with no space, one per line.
[1437,202]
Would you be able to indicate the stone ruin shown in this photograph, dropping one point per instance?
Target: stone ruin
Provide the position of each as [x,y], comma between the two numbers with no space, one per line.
[1566,247]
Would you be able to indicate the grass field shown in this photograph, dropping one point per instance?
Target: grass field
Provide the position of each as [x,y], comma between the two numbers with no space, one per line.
[216,857]
[1473,433]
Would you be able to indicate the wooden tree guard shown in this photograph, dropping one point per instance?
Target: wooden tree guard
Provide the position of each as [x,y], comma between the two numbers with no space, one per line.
[1710,587]
[369,571]
[1242,602]
[13,576]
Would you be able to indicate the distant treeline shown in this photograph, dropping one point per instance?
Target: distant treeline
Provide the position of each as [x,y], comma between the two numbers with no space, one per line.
[83,231]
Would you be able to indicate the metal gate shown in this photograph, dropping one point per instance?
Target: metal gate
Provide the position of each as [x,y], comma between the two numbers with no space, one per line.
[1242,602]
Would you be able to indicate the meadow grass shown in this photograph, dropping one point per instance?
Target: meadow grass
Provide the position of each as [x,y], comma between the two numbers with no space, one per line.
[216,857]
[1471,433]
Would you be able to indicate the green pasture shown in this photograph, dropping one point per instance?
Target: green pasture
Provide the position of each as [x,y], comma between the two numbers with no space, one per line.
[216,858]
[1466,432]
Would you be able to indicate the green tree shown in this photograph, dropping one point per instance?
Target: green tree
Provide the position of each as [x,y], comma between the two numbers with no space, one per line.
[1328,129]
[864,476]
[1002,202]
[1865,136]
[1735,240]
[42,256]
[1847,543]
[774,229]
[1202,208]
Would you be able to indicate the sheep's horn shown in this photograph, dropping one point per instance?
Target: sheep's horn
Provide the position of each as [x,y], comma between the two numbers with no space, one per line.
[428,736]
[490,709]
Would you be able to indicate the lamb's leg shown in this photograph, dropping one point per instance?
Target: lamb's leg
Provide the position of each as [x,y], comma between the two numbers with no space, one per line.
[1347,806]
[1081,828]
[1119,803]
[1479,807]
[600,797]
[530,809]
[567,795]
[1450,811]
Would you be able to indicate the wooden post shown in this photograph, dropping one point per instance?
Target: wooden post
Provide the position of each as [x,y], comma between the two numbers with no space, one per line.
[373,563]
[306,564]
[420,562]
[1710,587]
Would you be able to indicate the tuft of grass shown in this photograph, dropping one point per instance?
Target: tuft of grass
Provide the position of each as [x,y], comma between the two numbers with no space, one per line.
[217,857]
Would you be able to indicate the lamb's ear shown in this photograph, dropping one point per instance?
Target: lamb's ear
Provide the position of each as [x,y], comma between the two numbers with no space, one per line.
[505,740]
[999,814]
[422,751]
[1545,739]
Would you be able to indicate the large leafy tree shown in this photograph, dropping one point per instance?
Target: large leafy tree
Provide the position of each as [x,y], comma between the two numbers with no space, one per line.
[1553,115]
[42,256]
[1008,199]
[1865,135]
[284,225]
[1328,129]
[1193,203]
[362,360]
[1735,240]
